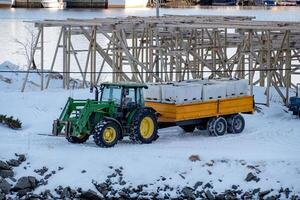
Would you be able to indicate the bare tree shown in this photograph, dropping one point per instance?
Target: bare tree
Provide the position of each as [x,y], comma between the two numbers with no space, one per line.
[28,45]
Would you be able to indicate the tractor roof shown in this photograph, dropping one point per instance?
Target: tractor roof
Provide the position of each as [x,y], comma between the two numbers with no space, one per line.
[126,84]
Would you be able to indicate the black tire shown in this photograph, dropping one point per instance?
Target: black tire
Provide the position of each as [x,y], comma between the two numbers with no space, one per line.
[78,140]
[104,128]
[188,128]
[217,126]
[137,134]
[236,124]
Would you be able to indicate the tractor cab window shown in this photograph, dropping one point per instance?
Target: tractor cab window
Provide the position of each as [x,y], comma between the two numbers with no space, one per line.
[112,94]
[129,97]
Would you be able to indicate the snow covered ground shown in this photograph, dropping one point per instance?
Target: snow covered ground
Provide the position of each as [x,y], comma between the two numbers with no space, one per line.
[268,147]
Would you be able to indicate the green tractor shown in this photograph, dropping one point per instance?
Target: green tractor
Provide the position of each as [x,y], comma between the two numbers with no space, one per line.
[119,112]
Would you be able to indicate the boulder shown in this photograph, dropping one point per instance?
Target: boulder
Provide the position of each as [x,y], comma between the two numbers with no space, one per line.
[4,186]
[4,165]
[13,162]
[2,196]
[251,177]
[90,194]
[188,192]
[6,173]
[26,182]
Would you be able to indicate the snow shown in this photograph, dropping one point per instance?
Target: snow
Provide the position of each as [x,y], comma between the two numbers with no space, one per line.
[270,141]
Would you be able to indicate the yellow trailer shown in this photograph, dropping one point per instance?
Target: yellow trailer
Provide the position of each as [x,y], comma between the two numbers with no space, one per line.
[218,116]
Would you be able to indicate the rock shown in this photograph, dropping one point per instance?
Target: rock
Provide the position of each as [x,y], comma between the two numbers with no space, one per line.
[83,171]
[23,192]
[21,157]
[47,176]
[207,185]
[209,195]
[41,171]
[188,192]
[60,168]
[6,173]
[263,193]
[4,186]
[251,177]
[2,196]
[194,158]
[197,184]
[256,190]
[234,187]
[90,194]
[13,162]
[4,165]
[163,178]
[26,182]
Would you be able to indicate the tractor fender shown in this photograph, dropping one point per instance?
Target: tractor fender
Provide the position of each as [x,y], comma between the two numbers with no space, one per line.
[113,119]
[132,113]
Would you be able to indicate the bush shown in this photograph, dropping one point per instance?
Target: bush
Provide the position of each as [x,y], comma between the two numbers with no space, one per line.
[10,122]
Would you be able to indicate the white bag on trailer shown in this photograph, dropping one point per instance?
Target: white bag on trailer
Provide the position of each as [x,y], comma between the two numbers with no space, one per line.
[241,87]
[153,93]
[180,93]
[213,91]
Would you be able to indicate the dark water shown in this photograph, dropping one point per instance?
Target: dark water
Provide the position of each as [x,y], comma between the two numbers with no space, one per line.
[12,23]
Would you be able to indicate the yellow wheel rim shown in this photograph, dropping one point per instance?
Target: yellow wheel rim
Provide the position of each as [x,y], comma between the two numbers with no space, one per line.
[147,127]
[109,134]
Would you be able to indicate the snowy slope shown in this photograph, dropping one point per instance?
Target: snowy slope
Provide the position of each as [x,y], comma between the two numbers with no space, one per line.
[270,140]
[268,147]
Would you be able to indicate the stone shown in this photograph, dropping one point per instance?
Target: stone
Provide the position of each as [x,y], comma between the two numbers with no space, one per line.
[234,187]
[41,171]
[83,171]
[197,184]
[60,168]
[23,192]
[207,185]
[209,195]
[21,157]
[13,162]
[263,193]
[188,192]
[6,173]
[194,158]
[251,177]
[26,182]
[4,186]
[2,196]
[47,176]
[4,165]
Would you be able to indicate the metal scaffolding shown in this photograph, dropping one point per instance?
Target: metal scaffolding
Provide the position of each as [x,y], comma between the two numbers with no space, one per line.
[175,48]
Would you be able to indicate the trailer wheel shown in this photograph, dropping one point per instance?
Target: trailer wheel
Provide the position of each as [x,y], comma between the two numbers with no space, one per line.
[144,126]
[106,133]
[78,139]
[217,126]
[188,128]
[236,124]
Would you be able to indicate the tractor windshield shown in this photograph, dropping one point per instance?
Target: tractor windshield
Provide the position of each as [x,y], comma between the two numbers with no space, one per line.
[111,94]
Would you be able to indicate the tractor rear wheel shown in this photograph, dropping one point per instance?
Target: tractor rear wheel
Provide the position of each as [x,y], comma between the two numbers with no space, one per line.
[188,128]
[106,133]
[78,139]
[144,126]
[236,124]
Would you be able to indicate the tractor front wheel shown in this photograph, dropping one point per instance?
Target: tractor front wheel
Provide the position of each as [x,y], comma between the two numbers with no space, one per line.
[144,126]
[106,133]
[78,139]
